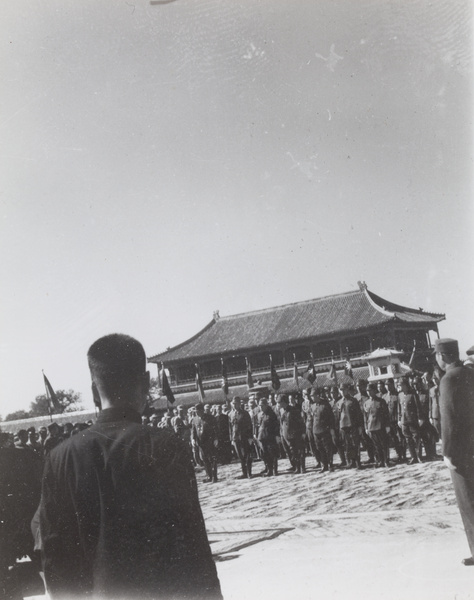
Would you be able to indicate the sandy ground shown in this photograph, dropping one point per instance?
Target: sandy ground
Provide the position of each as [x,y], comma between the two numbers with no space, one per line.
[390,534]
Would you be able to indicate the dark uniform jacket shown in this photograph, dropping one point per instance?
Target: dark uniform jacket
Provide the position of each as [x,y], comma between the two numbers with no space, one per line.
[323,418]
[456,393]
[408,409]
[393,405]
[204,430]
[423,407]
[120,515]
[376,414]
[350,414]
[268,427]
[291,423]
[240,425]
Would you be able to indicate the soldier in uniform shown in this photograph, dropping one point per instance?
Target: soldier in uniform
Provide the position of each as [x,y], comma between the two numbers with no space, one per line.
[268,437]
[323,429]
[395,435]
[427,437]
[435,413]
[351,422]
[377,423]
[204,436]
[339,444]
[408,418]
[292,431]
[362,398]
[223,435]
[457,421]
[241,434]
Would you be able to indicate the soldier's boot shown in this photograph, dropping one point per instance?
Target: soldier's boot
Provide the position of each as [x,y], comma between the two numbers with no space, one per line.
[275,466]
[214,472]
[244,471]
[303,464]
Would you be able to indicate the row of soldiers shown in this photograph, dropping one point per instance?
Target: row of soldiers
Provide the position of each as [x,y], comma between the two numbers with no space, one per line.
[320,422]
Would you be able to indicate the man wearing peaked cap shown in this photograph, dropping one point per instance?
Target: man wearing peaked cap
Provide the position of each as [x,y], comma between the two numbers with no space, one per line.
[457,423]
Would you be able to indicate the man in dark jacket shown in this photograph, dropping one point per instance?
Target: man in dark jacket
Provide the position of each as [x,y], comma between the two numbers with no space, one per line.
[351,423]
[268,437]
[204,436]
[457,421]
[323,429]
[241,434]
[377,423]
[119,513]
[293,432]
[408,418]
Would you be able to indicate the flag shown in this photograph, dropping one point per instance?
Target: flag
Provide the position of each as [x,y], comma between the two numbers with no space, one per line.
[199,386]
[249,374]
[225,382]
[295,373]
[412,357]
[165,386]
[332,373]
[51,395]
[274,376]
[310,373]
[348,368]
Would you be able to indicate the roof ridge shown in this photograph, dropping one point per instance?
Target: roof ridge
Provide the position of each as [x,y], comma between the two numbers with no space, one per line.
[299,303]
[210,324]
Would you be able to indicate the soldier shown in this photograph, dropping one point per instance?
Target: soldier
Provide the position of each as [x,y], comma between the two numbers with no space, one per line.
[292,431]
[308,419]
[351,422]
[54,438]
[339,444]
[323,429]
[395,435]
[268,436]
[427,437]
[241,434]
[457,419]
[377,423]
[204,436]
[408,419]
[223,435]
[362,398]
[435,414]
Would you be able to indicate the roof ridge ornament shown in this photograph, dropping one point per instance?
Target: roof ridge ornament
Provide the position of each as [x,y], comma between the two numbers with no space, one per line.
[362,286]
[215,315]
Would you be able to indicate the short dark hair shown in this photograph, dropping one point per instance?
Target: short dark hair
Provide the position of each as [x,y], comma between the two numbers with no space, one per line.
[117,361]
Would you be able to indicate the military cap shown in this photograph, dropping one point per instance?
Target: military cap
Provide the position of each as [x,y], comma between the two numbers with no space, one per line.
[446,346]
[470,351]
[199,406]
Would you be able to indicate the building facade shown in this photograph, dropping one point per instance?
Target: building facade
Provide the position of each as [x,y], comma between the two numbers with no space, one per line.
[326,330]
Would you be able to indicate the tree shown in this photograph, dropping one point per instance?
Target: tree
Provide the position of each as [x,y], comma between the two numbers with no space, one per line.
[69,401]
[18,414]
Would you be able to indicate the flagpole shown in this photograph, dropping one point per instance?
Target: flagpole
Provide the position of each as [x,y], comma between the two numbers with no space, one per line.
[47,397]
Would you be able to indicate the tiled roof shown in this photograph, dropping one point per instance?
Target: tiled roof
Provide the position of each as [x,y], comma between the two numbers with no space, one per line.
[318,318]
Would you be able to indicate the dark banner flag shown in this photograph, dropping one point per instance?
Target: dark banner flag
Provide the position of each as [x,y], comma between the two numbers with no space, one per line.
[274,376]
[310,373]
[249,374]
[53,401]
[296,375]
[199,386]
[225,382]
[165,386]
[332,373]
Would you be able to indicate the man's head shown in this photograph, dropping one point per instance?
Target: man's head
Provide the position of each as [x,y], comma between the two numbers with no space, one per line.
[22,435]
[236,403]
[262,402]
[362,385]
[405,385]
[391,386]
[447,352]
[315,396]
[117,363]
[372,389]
[283,400]
[346,390]
[199,409]
[43,432]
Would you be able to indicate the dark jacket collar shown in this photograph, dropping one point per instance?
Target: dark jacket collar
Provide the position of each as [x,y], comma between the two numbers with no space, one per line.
[115,414]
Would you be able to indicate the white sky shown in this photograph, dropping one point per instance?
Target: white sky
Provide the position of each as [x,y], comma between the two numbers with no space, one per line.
[160,161]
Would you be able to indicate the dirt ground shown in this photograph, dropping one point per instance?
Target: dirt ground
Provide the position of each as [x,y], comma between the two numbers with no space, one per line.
[392,533]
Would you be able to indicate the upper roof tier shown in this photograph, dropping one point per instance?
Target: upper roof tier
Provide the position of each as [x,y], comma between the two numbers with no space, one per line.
[295,323]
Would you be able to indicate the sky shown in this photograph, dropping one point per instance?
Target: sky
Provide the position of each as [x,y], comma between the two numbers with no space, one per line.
[161,160]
